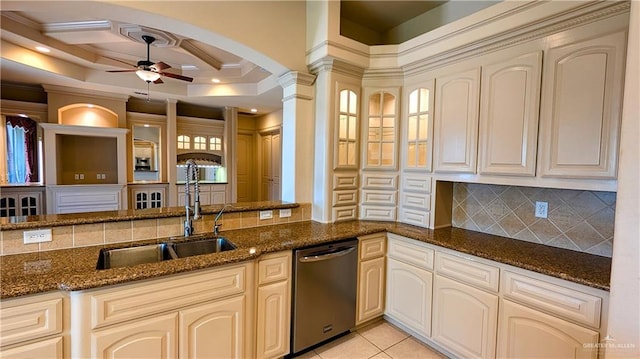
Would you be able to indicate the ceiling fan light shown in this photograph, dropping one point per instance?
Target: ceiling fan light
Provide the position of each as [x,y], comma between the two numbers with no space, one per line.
[148,76]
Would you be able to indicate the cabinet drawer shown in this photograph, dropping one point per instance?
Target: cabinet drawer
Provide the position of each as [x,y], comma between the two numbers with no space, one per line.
[274,267]
[379,197]
[372,246]
[379,181]
[110,306]
[345,197]
[468,270]
[416,200]
[410,253]
[378,213]
[29,319]
[413,183]
[556,299]
[415,217]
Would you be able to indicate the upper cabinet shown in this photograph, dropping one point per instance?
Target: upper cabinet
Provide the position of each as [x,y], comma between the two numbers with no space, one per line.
[581,108]
[381,129]
[347,131]
[456,122]
[509,102]
[417,133]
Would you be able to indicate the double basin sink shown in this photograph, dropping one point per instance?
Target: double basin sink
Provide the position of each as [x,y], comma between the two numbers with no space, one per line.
[151,253]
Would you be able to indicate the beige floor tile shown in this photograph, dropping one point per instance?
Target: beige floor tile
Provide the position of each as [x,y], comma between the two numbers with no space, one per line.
[309,355]
[351,346]
[410,348]
[381,355]
[382,334]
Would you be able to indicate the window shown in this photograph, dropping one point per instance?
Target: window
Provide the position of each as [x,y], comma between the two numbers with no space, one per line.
[184,142]
[215,143]
[21,150]
[199,143]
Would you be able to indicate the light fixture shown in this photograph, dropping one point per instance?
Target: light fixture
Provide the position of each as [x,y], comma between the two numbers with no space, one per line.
[254,110]
[215,81]
[148,76]
[42,49]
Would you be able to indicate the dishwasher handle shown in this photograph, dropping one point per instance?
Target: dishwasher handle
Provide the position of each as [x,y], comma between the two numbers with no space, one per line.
[323,256]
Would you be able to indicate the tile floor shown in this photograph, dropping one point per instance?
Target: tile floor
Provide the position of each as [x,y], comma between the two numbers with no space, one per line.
[380,340]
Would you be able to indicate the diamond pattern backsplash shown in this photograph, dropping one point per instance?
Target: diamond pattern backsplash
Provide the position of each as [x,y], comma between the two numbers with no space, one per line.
[577,220]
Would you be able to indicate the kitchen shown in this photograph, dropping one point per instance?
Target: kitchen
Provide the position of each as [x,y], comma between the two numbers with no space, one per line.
[301,191]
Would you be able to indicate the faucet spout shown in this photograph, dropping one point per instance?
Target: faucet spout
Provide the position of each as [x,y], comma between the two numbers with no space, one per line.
[192,173]
[216,226]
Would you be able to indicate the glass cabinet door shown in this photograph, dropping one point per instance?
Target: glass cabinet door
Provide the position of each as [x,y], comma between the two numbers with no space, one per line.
[347,130]
[417,140]
[381,130]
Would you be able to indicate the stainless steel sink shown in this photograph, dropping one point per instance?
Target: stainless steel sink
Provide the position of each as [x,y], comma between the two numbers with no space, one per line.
[152,253]
[202,246]
[124,257]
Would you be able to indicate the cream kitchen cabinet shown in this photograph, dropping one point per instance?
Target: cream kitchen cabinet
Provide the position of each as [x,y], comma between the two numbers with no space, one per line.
[33,326]
[465,306]
[200,314]
[371,277]
[150,338]
[455,129]
[273,318]
[380,132]
[409,284]
[209,194]
[581,108]
[509,106]
[526,333]
[147,196]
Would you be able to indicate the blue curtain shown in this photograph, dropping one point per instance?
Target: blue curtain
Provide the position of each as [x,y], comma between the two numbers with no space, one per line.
[16,154]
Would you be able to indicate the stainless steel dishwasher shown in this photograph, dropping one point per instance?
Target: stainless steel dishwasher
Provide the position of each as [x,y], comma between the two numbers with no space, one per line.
[324,293]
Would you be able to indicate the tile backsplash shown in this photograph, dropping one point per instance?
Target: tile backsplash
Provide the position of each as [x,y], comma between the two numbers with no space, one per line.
[577,220]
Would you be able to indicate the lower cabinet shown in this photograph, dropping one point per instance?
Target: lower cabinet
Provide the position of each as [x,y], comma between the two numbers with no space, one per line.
[204,314]
[527,333]
[273,317]
[150,338]
[464,319]
[33,326]
[213,330]
[409,284]
[371,277]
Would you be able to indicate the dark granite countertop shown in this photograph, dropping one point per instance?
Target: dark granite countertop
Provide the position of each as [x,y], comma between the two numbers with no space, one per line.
[53,220]
[74,269]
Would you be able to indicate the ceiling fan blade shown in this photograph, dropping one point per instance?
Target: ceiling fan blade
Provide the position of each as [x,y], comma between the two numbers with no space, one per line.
[160,66]
[158,81]
[120,61]
[122,70]
[175,76]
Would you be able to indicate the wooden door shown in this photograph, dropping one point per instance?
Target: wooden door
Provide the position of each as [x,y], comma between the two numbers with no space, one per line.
[527,333]
[509,105]
[153,338]
[456,122]
[409,296]
[246,188]
[213,330]
[270,166]
[465,319]
[371,284]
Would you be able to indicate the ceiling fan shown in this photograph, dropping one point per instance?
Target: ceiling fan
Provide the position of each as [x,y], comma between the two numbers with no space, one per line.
[151,72]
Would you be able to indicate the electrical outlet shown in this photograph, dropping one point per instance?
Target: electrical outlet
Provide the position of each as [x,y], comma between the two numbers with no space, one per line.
[541,209]
[266,214]
[76,176]
[285,213]
[98,176]
[82,176]
[37,236]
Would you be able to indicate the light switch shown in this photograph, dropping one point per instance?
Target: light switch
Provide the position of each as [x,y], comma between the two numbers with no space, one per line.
[285,213]
[266,214]
[37,236]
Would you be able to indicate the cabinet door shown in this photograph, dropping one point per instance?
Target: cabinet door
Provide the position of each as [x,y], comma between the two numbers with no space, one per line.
[149,338]
[370,289]
[273,320]
[509,105]
[50,349]
[527,333]
[380,132]
[214,330]
[456,122]
[581,108]
[409,296]
[465,319]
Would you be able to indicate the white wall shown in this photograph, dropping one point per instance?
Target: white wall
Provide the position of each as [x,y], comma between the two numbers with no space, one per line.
[624,308]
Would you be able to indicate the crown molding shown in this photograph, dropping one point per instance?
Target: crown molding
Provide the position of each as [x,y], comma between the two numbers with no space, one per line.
[331,64]
[63,90]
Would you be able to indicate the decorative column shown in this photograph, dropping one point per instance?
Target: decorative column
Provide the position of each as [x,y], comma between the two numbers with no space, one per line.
[297,136]
[230,156]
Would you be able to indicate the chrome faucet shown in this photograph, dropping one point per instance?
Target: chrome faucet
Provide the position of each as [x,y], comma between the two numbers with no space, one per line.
[216,226]
[192,172]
